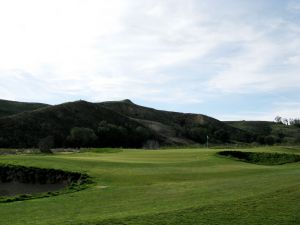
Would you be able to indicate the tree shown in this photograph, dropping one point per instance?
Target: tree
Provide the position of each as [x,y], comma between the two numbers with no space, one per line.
[278,119]
[269,140]
[151,144]
[285,121]
[260,139]
[82,137]
[111,135]
[198,134]
[45,144]
[295,122]
[222,135]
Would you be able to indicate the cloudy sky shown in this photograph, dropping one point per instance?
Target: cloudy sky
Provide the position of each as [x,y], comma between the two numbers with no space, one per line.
[230,59]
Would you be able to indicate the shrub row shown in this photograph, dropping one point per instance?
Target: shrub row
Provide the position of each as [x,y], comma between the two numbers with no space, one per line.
[262,157]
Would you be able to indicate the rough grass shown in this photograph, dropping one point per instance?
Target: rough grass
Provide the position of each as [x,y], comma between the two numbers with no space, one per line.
[139,187]
[262,158]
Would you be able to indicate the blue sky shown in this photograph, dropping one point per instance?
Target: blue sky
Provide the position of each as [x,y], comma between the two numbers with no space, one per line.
[230,59]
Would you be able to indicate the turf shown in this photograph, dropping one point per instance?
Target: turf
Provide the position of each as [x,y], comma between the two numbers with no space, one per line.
[182,186]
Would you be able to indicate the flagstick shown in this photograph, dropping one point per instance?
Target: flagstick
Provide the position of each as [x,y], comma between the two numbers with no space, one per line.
[207,141]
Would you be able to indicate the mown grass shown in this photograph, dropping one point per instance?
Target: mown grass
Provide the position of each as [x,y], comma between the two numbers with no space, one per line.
[182,186]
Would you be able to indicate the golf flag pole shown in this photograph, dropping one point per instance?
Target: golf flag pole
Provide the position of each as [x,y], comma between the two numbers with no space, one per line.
[207,138]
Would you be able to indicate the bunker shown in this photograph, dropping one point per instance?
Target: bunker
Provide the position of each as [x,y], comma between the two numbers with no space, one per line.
[19,180]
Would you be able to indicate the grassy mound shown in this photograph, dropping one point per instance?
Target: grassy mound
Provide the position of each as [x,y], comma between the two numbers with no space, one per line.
[262,158]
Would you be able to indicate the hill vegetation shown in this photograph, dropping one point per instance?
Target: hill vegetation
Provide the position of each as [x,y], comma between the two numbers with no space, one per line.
[25,130]
[183,128]
[112,124]
[125,124]
[266,132]
[8,108]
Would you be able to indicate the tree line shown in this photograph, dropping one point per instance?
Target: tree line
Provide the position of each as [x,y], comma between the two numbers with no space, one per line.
[106,135]
[291,121]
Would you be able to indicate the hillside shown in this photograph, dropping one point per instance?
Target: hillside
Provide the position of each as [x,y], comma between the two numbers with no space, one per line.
[27,128]
[116,124]
[280,132]
[8,108]
[194,127]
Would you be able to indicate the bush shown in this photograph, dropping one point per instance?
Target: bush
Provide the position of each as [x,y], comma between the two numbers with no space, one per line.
[151,144]
[198,134]
[111,135]
[269,140]
[261,139]
[262,157]
[46,144]
[222,135]
[82,137]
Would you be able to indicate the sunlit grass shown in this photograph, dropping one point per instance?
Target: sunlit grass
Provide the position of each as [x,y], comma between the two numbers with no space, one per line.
[182,186]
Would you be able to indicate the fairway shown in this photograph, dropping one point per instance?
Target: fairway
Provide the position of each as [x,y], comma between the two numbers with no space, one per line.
[177,186]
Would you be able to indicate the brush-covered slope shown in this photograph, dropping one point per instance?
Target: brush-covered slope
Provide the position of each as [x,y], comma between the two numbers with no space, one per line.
[259,129]
[8,108]
[116,124]
[184,126]
[26,129]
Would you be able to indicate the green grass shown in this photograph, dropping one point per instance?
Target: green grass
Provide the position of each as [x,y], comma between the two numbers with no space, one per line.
[182,186]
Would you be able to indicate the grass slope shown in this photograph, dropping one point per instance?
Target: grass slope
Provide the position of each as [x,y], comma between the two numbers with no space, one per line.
[164,187]
[8,108]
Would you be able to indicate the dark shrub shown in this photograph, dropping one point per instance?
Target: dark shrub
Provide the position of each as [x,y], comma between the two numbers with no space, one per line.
[151,144]
[198,134]
[82,137]
[46,144]
[269,140]
[262,157]
[222,135]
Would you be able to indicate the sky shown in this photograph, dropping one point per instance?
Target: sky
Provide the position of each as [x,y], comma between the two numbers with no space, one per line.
[229,59]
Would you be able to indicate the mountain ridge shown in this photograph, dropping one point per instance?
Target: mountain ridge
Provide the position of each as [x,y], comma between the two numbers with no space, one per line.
[133,125]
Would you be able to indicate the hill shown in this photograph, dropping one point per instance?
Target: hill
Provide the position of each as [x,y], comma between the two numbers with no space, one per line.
[113,124]
[175,126]
[8,108]
[280,132]
[28,128]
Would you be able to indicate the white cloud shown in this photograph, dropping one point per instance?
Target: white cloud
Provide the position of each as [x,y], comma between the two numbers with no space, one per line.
[104,50]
